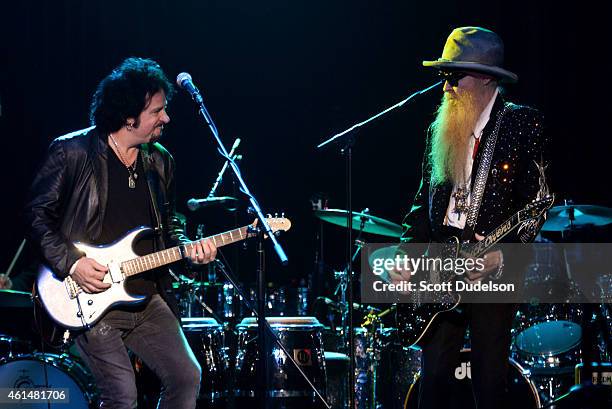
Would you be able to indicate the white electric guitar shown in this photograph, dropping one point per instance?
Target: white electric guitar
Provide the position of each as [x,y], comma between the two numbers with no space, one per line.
[73,308]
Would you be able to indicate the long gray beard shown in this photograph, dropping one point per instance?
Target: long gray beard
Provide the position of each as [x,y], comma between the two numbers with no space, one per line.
[451,132]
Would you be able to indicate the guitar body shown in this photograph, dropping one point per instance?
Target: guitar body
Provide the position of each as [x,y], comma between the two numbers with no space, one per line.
[69,306]
[415,318]
[73,308]
[413,321]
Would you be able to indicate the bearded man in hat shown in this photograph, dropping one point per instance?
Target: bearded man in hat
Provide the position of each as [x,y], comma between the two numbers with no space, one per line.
[474,125]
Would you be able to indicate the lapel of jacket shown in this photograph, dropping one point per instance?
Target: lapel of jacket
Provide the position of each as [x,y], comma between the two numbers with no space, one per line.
[152,181]
[486,133]
[99,161]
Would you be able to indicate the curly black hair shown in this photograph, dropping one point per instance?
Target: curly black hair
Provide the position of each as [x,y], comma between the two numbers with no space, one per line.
[125,92]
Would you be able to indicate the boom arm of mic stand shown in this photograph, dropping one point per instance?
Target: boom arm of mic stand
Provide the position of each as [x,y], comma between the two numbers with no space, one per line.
[391,108]
[243,187]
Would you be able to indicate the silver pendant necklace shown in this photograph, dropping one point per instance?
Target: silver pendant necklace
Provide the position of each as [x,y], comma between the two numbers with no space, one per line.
[461,199]
[462,194]
[131,169]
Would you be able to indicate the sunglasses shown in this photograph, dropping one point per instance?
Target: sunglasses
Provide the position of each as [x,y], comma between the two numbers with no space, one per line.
[452,77]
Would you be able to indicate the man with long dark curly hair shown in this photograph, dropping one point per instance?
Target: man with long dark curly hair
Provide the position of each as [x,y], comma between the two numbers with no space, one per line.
[94,186]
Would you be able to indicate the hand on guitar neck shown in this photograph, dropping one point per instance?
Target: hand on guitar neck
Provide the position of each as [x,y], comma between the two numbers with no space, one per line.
[89,274]
[493,261]
[204,252]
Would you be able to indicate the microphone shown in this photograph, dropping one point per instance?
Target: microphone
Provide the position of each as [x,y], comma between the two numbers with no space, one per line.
[183,80]
[194,204]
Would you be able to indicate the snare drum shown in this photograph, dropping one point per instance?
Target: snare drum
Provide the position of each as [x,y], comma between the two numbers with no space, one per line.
[28,371]
[301,337]
[522,392]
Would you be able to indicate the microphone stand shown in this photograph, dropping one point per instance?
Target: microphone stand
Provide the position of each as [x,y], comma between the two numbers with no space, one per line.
[264,228]
[346,139]
[215,185]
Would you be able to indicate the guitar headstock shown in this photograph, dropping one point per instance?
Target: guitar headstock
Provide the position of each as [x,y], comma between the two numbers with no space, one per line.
[276,223]
[536,208]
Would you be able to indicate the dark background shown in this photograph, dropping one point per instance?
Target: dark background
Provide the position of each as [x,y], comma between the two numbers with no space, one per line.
[283,76]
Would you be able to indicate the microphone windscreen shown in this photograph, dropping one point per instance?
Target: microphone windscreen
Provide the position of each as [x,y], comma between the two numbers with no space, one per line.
[182,77]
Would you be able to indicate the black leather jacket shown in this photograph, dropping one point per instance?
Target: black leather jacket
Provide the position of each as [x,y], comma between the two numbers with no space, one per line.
[68,197]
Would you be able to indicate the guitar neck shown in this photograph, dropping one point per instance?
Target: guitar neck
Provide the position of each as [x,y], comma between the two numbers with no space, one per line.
[481,247]
[161,258]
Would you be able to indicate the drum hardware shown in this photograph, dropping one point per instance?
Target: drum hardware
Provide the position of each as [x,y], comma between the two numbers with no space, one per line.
[191,296]
[369,343]
[235,157]
[302,300]
[194,204]
[362,222]
[344,281]
[368,346]
[11,347]
[367,223]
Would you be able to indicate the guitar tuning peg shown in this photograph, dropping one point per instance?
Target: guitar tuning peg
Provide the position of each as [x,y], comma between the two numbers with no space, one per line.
[283,215]
[276,215]
[269,215]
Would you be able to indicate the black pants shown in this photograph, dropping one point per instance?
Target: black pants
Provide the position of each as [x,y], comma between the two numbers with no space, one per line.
[490,326]
[152,333]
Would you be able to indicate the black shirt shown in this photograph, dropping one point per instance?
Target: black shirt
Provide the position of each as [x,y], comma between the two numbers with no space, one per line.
[127,209]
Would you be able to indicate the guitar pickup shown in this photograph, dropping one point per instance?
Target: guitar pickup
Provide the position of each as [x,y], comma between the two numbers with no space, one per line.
[72,287]
[114,272]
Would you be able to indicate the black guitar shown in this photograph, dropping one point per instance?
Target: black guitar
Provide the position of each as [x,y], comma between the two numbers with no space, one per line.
[415,317]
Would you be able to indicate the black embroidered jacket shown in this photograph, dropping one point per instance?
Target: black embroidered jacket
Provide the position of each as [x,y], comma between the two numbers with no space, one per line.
[512,183]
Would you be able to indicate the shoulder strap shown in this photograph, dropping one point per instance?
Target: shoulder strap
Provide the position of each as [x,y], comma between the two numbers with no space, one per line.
[481,178]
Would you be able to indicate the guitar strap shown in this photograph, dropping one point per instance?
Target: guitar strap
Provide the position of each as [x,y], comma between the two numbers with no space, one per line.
[481,179]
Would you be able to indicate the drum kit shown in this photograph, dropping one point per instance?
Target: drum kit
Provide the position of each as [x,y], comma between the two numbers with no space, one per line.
[545,354]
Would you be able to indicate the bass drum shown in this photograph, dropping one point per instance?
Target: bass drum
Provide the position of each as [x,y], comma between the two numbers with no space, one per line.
[28,371]
[522,392]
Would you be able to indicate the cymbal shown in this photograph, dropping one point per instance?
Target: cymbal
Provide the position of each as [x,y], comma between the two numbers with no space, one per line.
[15,299]
[372,224]
[559,217]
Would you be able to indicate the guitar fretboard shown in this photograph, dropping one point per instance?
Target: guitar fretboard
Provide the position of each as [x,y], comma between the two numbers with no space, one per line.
[164,257]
